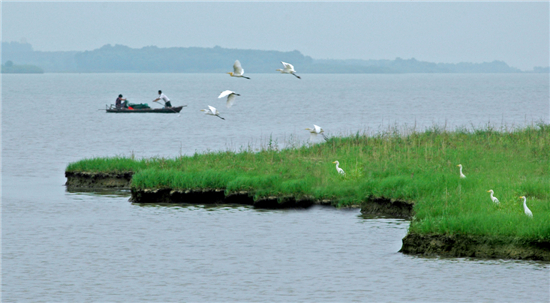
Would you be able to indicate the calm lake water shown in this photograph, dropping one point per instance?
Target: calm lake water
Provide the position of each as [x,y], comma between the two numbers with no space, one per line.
[96,246]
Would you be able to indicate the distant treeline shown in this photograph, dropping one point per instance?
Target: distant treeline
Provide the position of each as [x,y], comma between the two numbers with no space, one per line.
[10,68]
[414,66]
[152,59]
[23,53]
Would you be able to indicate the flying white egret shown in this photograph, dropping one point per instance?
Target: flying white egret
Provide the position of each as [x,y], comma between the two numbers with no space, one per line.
[338,169]
[231,95]
[461,174]
[212,111]
[238,70]
[288,69]
[493,198]
[525,208]
[316,130]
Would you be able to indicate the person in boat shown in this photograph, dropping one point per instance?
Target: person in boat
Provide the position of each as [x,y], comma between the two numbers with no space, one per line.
[163,98]
[118,102]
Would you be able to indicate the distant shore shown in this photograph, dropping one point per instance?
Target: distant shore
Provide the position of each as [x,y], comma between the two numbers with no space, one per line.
[151,59]
[10,68]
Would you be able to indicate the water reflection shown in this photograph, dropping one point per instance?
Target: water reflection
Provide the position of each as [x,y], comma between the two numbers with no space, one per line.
[207,207]
[372,216]
[510,264]
[98,192]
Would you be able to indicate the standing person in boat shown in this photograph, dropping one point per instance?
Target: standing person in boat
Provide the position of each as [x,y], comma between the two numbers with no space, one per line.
[163,98]
[118,102]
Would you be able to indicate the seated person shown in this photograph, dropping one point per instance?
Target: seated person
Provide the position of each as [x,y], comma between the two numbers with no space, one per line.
[118,102]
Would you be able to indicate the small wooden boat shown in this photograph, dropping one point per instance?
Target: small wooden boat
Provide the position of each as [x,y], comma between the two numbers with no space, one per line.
[165,110]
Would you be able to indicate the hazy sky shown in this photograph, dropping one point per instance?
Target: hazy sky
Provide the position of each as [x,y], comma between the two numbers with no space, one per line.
[517,33]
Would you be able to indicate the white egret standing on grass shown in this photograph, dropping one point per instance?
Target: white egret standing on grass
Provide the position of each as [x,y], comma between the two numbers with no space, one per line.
[493,198]
[316,130]
[231,95]
[212,111]
[338,169]
[525,208]
[238,70]
[461,174]
[288,69]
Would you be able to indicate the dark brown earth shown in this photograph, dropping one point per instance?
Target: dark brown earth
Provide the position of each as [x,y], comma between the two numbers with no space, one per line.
[475,246]
[92,180]
[218,196]
[387,207]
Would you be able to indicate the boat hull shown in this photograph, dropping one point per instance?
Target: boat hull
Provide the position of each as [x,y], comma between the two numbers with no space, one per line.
[169,110]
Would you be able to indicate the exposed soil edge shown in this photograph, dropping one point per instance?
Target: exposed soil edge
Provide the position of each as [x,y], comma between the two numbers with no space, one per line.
[218,196]
[388,207]
[475,246]
[96,180]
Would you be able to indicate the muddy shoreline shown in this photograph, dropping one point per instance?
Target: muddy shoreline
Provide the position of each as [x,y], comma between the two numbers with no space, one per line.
[475,247]
[94,180]
[413,244]
[218,196]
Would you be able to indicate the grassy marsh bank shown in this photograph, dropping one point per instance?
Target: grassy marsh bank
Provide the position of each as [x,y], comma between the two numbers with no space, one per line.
[396,164]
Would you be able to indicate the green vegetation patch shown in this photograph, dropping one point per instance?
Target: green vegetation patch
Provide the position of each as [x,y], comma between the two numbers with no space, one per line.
[397,164]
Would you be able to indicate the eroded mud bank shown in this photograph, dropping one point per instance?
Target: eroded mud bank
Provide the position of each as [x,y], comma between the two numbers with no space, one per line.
[388,207]
[93,180]
[475,246]
[218,196]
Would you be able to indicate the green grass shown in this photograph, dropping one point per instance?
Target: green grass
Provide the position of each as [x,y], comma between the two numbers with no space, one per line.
[396,163]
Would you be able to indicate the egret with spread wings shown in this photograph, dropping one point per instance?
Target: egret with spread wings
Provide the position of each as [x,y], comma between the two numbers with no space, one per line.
[288,69]
[316,130]
[212,111]
[231,95]
[238,70]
